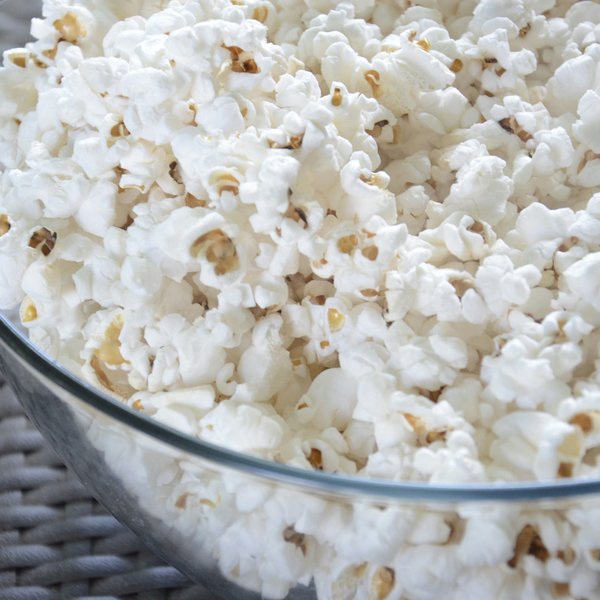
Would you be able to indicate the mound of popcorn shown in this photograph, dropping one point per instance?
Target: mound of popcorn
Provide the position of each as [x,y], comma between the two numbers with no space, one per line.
[360,237]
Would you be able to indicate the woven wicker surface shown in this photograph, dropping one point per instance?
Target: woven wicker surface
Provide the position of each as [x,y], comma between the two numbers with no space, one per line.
[15,16]
[56,541]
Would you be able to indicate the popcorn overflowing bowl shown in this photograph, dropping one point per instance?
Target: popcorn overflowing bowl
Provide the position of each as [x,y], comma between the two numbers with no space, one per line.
[307,292]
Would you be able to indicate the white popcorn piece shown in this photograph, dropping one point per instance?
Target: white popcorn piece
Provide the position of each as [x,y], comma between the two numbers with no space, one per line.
[97,212]
[537,222]
[501,285]
[264,431]
[481,190]
[221,116]
[570,82]
[587,128]
[485,543]
[537,442]
[322,399]
[505,375]
[582,279]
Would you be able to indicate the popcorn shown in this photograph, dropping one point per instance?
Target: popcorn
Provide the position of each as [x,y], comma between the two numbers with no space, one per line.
[480,190]
[537,222]
[485,542]
[96,213]
[501,285]
[538,442]
[355,237]
[294,91]
[321,399]
[505,375]
[570,82]
[222,115]
[582,276]
[264,430]
[586,128]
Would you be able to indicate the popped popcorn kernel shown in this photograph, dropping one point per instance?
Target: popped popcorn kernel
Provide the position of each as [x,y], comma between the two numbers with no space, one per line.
[347,244]
[561,589]
[298,215]
[424,44]
[119,130]
[175,172]
[565,469]
[4,225]
[378,128]
[336,97]
[528,542]
[370,252]
[568,555]
[50,54]
[462,285]
[346,583]
[571,445]
[181,502]
[436,436]
[19,59]
[192,202]
[510,125]
[109,352]
[28,311]
[291,536]
[102,376]
[583,421]
[335,319]
[260,14]
[382,583]
[457,65]
[44,240]
[245,66]
[205,241]
[226,182]
[373,77]
[70,28]
[416,423]
[241,61]
[315,458]
[524,30]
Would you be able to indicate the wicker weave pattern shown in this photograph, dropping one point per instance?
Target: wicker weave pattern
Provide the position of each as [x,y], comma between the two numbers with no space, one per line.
[15,16]
[58,542]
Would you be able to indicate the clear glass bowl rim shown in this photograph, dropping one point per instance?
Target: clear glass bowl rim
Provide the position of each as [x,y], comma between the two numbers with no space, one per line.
[355,488]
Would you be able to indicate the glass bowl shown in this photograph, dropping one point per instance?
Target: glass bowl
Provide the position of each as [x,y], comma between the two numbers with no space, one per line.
[247,528]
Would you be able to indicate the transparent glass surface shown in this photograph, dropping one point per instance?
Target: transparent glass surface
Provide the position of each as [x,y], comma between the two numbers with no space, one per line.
[248,528]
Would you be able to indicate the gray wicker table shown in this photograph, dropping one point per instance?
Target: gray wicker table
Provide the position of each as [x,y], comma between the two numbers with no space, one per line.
[15,16]
[56,541]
